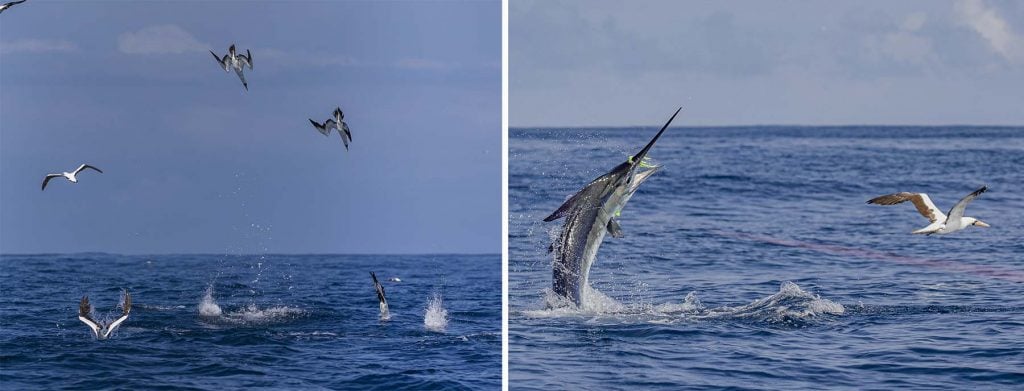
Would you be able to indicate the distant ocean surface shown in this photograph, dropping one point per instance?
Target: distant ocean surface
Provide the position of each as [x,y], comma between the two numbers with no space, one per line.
[252,322]
[751,261]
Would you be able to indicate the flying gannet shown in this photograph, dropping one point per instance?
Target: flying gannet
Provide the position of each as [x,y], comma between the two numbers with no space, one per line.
[235,61]
[384,313]
[337,123]
[103,331]
[71,176]
[940,224]
[8,5]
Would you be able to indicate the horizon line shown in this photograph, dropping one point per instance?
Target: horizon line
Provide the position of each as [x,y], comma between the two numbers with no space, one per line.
[773,126]
[241,254]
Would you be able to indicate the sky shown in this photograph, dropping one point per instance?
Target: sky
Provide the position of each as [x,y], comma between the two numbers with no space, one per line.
[612,63]
[192,163]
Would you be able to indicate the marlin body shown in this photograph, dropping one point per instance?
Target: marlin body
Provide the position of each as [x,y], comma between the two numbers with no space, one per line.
[590,215]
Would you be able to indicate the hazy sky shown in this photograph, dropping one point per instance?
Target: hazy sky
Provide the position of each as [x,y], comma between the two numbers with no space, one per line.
[766,62]
[193,163]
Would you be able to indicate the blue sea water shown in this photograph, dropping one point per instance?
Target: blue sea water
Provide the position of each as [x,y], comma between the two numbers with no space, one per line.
[252,322]
[751,261]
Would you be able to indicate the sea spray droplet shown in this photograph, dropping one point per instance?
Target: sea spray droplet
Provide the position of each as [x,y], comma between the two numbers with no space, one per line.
[436,317]
[209,307]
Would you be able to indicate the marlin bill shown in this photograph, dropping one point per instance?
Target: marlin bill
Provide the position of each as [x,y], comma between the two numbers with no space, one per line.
[590,214]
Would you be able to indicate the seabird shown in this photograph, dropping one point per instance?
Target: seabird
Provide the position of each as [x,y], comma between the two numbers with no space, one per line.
[384,313]
[103,331]
[71,176]
[940,224]
[8,5]
[338,123]
[235,61]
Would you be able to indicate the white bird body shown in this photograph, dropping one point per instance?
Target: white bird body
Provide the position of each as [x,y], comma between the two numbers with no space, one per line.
[940,223]
[337,122]
[235,61]
[70,176]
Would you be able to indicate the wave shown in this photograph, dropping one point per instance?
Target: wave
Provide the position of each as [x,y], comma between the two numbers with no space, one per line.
[790,305]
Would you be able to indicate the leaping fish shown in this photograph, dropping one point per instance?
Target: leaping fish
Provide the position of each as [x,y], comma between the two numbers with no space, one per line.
[384,313]
[589,215]
[103,331]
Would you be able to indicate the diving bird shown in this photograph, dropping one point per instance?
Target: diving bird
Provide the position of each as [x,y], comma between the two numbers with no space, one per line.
[235,61]
[8,5]
[337,123]
[940,224]
[384,313]
[589,215]
[71,176]
[103,331]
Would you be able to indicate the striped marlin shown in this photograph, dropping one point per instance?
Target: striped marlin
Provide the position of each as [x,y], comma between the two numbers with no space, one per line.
[589,215]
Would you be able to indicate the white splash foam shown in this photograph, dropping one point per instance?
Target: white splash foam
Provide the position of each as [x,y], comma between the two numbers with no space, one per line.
[790,304]
[690,304]
[208,307]
[252,314]
[436,317]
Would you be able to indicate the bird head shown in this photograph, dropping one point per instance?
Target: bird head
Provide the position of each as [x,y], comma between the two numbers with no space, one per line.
[979,223]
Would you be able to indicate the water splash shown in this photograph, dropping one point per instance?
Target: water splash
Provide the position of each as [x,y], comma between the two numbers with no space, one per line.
[436,317]
[789,306]
[208,307]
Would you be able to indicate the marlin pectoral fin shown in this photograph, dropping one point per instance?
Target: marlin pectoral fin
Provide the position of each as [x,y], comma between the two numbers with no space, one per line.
[615,229]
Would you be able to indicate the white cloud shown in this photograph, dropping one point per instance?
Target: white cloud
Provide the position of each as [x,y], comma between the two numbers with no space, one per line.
[37,46]
[424,64]
[166,38]
[299,57]
[993,28]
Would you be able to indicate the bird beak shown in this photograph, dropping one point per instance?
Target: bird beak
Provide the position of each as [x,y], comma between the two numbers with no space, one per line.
[981,224]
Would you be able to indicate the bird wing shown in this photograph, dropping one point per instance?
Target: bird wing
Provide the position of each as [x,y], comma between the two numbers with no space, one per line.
[248,58]
[346,135]
[84,166]
[8,5]
[83,315]
[223,61]
[921,201]
[244,61]
[347,132]
[957,211]
[126,308]
[48,177]
[322,128]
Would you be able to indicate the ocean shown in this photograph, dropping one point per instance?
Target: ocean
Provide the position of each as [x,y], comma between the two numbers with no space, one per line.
[751,261]
[217,322]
